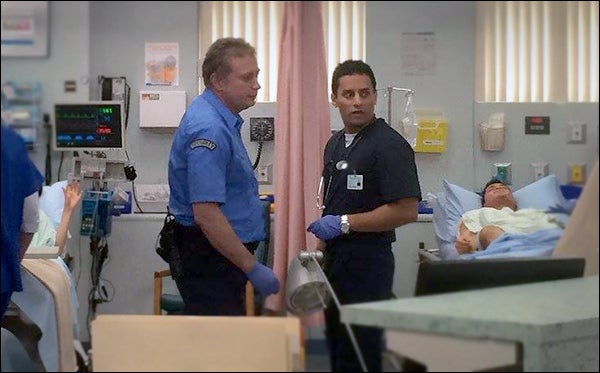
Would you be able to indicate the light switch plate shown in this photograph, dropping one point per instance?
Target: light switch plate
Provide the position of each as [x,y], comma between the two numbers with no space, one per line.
[264,174]
[540,170]
[576,133]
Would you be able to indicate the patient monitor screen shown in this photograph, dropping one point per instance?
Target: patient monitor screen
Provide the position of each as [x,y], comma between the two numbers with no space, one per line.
[88,126]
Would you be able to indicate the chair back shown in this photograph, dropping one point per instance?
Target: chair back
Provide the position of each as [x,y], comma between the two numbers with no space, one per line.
[194,343]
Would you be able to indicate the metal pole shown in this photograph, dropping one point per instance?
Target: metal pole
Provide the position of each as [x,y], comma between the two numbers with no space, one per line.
[389,102]
[389,91]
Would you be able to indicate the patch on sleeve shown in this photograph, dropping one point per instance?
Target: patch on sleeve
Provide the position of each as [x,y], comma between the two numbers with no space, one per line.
[203,143]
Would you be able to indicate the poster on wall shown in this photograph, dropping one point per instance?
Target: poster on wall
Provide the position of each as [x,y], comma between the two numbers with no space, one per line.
[418,53]
[24,30]
[162,64]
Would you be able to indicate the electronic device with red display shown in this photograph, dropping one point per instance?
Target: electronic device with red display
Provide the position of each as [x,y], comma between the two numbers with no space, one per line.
[91,126]
[537,125]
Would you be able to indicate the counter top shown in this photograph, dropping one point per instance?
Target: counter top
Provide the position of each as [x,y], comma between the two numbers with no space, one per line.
[533,314]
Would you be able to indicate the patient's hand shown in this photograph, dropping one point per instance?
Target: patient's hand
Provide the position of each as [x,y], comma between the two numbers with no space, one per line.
[73,196]
[466,241]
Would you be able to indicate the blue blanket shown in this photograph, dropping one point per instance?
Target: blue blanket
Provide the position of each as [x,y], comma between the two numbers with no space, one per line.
[536,244]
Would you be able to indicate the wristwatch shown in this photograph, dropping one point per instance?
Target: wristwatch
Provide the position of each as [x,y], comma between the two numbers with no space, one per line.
[345,224]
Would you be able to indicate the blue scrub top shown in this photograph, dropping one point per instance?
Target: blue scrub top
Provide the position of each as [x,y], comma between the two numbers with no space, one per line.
[209,163]
[20,179]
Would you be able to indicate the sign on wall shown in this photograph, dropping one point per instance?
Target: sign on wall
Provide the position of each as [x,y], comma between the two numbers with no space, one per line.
[162,67]
[418,53]
[24,29]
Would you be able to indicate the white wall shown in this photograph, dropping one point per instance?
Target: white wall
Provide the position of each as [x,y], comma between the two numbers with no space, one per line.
[521,149]
[446,89]
[68,59]
[450,88]
[94,38]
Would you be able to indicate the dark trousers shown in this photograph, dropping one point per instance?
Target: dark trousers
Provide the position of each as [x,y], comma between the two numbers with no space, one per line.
[209,283]
[358,272]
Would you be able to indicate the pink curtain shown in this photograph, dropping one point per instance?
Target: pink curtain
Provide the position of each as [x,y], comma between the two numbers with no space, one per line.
[303,128]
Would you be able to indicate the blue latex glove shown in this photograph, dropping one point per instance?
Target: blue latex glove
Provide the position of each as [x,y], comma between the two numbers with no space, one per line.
[327,227]
[263,279]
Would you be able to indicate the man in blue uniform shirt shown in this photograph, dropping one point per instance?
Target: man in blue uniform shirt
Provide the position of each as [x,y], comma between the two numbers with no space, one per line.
[21,181]
[371,187]
[214,192]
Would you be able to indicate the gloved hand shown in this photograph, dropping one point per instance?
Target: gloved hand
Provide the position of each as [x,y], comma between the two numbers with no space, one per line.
[327,227]
[263,279]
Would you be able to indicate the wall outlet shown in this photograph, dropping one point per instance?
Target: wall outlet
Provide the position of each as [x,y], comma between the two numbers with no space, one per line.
[540,170]
[577,133]
[264,174]
[576,173]
[502,172]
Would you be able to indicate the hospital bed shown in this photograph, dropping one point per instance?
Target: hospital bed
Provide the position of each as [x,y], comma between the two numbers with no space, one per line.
[544,194]
[40,317]
[47,303]
[49,298]
[578,240]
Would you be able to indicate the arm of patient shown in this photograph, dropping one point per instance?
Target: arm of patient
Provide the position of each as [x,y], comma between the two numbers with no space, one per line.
[466,241]
[474,223]
[478,228]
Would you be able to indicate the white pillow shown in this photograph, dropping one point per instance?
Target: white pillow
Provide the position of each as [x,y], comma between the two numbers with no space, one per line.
[52,201]
[542,194]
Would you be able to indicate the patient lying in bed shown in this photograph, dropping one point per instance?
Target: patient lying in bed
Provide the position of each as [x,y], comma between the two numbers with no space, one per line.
[480,227]
[541,200]
[36,301]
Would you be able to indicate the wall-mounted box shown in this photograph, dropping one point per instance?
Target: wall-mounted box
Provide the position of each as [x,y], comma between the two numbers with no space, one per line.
[432,135]
[537,125]
[492,133]
[576,173]
[161,109]
[427,133]
[502,172]
[152,197]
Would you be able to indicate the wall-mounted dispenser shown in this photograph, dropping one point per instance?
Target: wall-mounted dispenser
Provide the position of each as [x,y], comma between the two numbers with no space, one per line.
[492,133]
[502,172]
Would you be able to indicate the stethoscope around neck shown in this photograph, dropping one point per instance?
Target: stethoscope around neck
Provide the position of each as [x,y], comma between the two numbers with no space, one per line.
[340,166]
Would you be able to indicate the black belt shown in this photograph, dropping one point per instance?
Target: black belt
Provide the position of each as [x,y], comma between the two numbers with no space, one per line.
[195,234]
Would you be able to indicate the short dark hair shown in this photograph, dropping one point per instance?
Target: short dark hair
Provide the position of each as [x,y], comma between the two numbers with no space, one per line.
[217,57]
[351,67]
[491,182]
